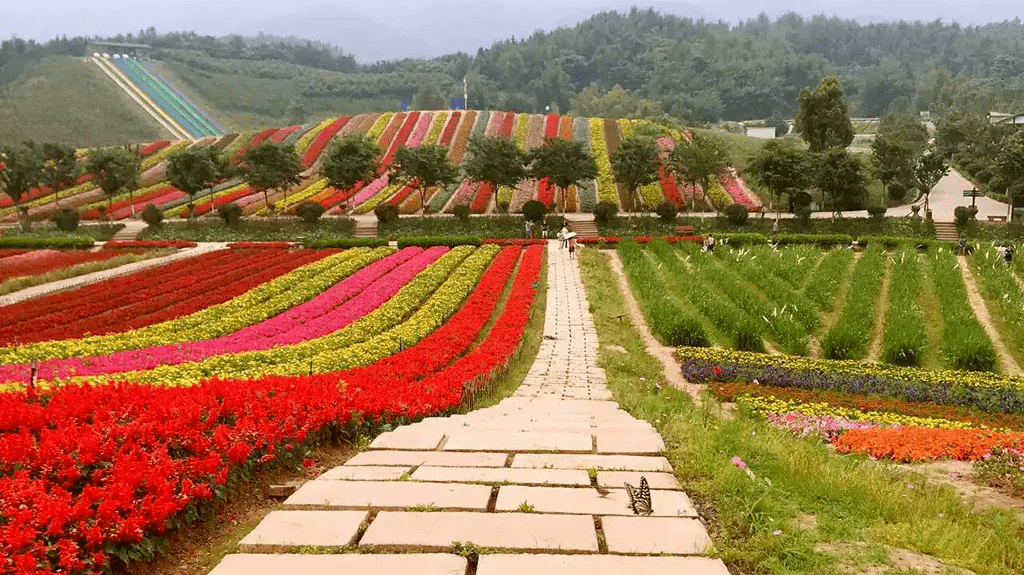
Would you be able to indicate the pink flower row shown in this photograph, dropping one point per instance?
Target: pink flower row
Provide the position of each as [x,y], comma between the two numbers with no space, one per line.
[337,307]
[737,193]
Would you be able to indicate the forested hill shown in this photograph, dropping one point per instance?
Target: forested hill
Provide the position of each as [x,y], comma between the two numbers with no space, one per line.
[694,70]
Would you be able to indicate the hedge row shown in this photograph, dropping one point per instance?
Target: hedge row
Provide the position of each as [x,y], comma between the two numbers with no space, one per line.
[321,243]
[56,242]
[431,241]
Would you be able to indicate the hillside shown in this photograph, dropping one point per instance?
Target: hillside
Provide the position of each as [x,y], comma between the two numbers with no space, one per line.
[60,98]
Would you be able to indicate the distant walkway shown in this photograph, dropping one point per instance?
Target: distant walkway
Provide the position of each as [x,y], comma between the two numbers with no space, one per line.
[509,482]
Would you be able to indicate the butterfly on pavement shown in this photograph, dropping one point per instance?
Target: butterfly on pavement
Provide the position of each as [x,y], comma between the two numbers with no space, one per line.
[640,499]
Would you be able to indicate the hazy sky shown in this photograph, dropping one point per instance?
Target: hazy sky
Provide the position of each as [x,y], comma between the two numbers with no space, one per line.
[420,28]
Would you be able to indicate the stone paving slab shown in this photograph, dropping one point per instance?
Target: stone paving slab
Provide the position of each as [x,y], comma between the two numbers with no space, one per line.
[418,563]
[589,501]
[365,473]
[472,440]
[643,443]
[521,476]
[417,438]
[655,479]
[389,495]
[674,535]
[437,458]
[592,461]
[526,531]
[521,564]
[332,529]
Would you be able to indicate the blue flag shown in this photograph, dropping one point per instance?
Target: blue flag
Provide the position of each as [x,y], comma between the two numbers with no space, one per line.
[456,104]
[404,105]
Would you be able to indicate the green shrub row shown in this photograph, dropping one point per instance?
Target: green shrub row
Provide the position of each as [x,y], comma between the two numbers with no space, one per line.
[904,341]
[793,264]
[669,321]
[825,279]
[321,243]
[965,345]
[743,330]
[820,240]
[431,241]
[848,339]
[54,242]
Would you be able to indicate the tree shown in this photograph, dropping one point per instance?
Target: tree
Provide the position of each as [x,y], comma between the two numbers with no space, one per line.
[355,159]
[271,166]
[897,147]
[21,169]
[564,163]
[841,176]
[823,119]
[931,167]
[424,167]
[194,169]
[1008,168]
[116,171]
[635,164]
[60,170]
[784,167]
[696,161]
[495,162]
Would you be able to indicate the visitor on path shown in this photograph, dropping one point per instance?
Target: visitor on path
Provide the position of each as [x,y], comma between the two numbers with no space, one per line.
[564,236]
[963,247]
[544,231]
[1008,255]
[572,247]
[709,244]
[529,228]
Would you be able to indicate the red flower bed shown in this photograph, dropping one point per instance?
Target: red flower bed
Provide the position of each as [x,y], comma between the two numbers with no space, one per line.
[33,194]
[449,129]
[322,139]
[730,391]
[482,199]
[85,178]
[152,148]
[95,469]
[149,244]
[507,124]
[94,213]
[209,205]
[39,262]
[401,196]
[282,134]
[12,252]
[148,297]
[257,140]
[403,134]
[271,245]
[340,196]
[925,444]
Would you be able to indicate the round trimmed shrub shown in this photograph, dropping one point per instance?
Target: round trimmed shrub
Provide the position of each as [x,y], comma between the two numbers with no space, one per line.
[386,213]
[310,212]
[666,211]
[737,214]
[66,219]
[534,210]
[461,211]
[605,211]
[153,215]
[231,213]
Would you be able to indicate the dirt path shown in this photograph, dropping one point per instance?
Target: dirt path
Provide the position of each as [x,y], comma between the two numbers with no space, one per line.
[881,316]
[1006,360]
[663,353]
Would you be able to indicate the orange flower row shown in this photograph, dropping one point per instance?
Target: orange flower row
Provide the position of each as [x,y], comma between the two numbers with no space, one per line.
[925,444]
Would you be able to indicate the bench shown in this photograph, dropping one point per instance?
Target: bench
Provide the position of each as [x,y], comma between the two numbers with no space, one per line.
[997,218]
[683,230]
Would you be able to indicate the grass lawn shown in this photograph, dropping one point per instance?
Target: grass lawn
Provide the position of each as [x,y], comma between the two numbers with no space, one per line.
[63,98]
[821,513]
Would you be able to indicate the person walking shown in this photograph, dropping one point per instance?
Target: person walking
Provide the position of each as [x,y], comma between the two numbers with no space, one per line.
[572,247]
[1008,255]
[709,243]
[564,236]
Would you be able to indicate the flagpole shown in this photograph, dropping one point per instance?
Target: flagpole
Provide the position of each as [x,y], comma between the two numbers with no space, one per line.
[465,94]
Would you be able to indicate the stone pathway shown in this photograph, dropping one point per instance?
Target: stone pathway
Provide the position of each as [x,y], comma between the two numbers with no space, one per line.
[130,231]
[79,281]
[535,483]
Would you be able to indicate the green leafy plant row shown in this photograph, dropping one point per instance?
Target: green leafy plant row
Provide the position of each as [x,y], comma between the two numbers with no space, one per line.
[965,345]
[320,243]
[904,341]
[431,241]
[848,339]
[78,242]
[1004,293]
[743,331]
[825,279]
[756,267]
[670,321]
